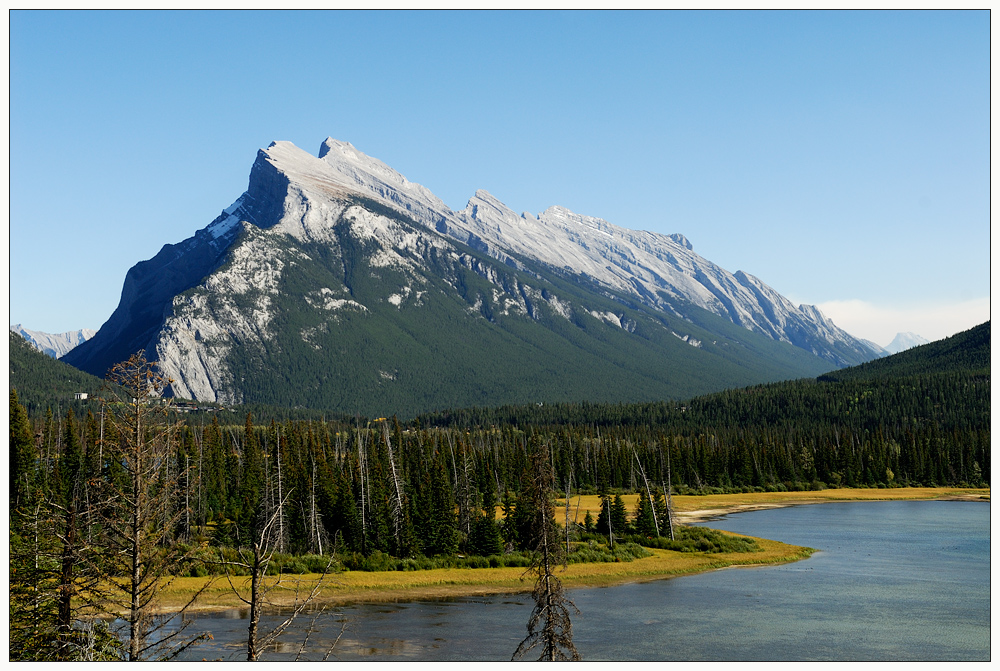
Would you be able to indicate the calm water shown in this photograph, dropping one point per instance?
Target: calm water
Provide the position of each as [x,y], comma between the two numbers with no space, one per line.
[894,580]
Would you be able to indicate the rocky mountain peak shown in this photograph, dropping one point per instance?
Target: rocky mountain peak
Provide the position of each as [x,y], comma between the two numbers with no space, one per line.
[53,344]
[486,208]
[356,170]
[905,341]
[681,240]
[331,144]
[200,304]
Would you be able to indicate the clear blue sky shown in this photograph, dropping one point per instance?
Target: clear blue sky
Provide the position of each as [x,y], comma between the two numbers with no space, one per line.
[842,157]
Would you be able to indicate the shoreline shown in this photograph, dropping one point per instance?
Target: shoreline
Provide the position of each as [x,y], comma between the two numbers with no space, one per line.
[393,586]
[351,587]
[727,504]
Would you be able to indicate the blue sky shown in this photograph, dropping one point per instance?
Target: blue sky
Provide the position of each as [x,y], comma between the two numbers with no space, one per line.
[841,157]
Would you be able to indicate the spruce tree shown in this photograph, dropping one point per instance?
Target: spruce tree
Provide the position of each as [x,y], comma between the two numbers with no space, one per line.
[22,453]
[645,524]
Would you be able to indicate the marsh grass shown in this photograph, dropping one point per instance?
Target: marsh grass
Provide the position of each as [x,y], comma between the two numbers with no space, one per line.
[372,586]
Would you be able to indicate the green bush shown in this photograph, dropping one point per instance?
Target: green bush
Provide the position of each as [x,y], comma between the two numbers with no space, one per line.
[699,539]
[296,567]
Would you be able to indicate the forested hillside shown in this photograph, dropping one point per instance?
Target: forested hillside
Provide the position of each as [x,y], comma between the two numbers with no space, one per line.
[968,351]
[345,476]
[45,383]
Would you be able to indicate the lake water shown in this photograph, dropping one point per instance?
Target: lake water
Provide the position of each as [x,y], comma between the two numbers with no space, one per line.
[894,580]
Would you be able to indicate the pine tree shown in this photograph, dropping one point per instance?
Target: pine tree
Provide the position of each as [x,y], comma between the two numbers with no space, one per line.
[251,483]
[484,536]
[645,523]
[22,454]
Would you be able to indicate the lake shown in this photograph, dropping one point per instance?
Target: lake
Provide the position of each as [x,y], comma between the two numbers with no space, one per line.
[893,580]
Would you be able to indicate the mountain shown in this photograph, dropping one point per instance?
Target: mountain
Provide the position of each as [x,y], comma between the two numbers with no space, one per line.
[942,388]
[55,345]
[904,341]
[334,282]
[657,270]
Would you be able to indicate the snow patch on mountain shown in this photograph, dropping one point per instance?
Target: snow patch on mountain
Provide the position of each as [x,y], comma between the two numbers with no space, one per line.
[657,269]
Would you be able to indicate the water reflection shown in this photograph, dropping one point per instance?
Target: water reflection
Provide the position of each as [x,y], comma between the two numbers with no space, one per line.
[898,580]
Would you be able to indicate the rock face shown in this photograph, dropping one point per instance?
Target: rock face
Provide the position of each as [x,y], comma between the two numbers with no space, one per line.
[53,344]
[335,276]
[658,270]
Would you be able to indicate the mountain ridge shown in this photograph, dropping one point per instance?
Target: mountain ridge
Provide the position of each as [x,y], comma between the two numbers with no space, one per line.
[339,253]
[644,263]
[53,344]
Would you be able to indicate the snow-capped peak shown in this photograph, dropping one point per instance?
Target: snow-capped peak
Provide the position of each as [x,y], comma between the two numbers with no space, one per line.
[905,341]
[657,269]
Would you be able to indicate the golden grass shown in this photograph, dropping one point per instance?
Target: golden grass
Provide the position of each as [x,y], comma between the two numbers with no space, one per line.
[698,507]
[353,586]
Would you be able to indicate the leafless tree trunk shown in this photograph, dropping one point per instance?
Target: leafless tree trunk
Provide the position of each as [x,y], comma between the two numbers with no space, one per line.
[667,495]
[255,560]
[551,609]
[397,491]
[139,517]
[649,493]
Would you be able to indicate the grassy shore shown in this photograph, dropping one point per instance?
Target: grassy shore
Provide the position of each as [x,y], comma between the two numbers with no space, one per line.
[355,586]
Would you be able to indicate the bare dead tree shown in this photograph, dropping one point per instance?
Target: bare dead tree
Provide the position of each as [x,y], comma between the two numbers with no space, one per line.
[138,511]
[255,559]
[311,628]
[549,625]
[396,495]
[649,492]
[668,495]
[364,504]
[569,484]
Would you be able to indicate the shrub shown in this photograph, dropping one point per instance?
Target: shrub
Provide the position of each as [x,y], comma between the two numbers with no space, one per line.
[699,539]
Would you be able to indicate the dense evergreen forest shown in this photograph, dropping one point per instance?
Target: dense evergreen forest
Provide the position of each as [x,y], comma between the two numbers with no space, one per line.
[45,383]
[385,494]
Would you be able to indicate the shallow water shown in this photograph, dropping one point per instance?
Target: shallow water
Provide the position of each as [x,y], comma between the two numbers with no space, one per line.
[894,580]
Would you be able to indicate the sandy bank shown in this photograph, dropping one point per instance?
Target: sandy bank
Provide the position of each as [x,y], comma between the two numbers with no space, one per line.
[696,509]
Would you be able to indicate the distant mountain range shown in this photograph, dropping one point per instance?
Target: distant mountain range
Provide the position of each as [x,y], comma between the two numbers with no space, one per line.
[55,345]
[904,341]
[334,282]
